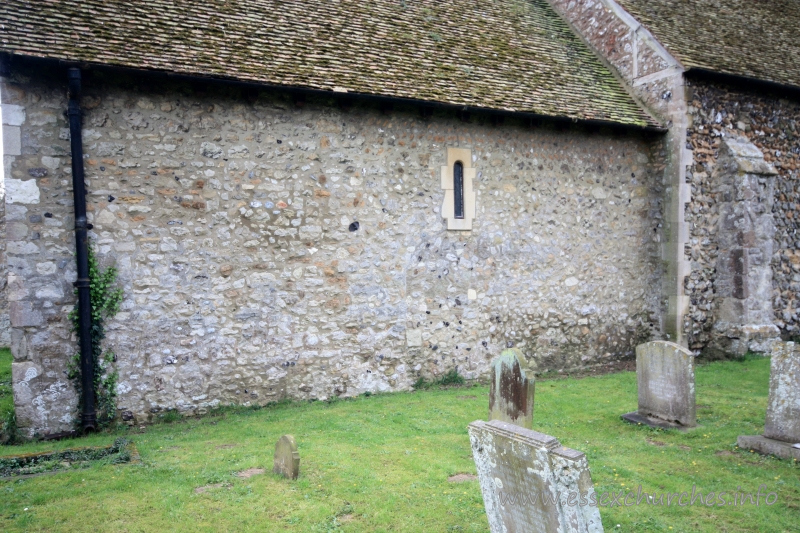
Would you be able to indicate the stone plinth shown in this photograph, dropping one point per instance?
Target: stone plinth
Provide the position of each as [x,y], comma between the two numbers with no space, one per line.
[782,425]
[762,444]
[530,482]
[511,390]
[665,379]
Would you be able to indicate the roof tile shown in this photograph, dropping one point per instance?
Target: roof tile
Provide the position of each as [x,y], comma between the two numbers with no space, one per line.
[506,54]
[751,38]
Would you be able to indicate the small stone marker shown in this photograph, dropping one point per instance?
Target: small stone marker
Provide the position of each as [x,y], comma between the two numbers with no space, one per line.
[530,483]
[510,390]
[782,425]
[287,458]
[665,379]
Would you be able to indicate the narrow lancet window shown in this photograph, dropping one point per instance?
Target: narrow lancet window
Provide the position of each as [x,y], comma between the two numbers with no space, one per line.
[458,190]
[458,204]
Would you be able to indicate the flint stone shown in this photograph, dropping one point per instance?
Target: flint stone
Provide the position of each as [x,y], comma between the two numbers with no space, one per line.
[414,337]
[13,115]
[22,314]
[511,391]
[530,482]
[21,192]
[287,458]
[665,378]
[783,409]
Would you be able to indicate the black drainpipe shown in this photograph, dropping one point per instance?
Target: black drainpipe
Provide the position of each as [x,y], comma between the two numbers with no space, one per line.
[88,416]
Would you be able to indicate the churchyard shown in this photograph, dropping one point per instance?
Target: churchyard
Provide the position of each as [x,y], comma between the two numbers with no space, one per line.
[382,463]
[267,224]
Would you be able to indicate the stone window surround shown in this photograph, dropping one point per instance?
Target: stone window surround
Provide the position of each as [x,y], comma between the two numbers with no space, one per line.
[464,156]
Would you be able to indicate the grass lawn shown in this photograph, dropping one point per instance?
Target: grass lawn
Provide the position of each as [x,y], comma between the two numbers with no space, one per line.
[7,420]
[381,463]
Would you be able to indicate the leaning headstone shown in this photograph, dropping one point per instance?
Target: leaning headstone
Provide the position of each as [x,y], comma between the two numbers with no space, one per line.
[782,425]
[510,390]
[287,458]
[530,482]
[665,379]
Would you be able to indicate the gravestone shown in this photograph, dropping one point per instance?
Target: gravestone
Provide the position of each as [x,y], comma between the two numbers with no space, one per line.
[782,425]
[530,483]
[665,379]
[510,390]
[287,458]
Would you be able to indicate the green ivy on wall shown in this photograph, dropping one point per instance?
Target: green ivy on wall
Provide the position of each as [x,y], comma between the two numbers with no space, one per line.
[106,298]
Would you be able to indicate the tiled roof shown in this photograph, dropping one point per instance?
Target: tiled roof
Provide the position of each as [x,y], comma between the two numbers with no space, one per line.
[515,55]
[752,38]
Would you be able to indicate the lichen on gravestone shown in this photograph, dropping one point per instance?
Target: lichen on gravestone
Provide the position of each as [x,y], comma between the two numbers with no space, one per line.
[511,391]
[782,424]
[529,482]
[287,458]
[783,408]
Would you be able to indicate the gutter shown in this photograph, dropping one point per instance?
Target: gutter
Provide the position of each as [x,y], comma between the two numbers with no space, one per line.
[88,414]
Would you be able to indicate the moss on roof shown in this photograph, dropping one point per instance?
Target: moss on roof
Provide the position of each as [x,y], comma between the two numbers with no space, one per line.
[752,38]
[515,55]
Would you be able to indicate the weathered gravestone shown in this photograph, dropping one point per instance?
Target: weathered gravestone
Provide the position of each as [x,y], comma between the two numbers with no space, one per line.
[510,390]
[782,425]
[665,379]
[530,483]
[287,458]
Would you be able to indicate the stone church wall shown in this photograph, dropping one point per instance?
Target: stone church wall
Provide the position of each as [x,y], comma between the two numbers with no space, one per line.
[773,125]
[655,77]
[5,326]
[272,247]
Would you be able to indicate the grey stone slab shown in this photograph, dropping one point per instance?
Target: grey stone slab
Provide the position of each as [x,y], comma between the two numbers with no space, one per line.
[767,446]
[665,379]
[783,407]
[636,418]
[511,391]
[530,483]
[287,458]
